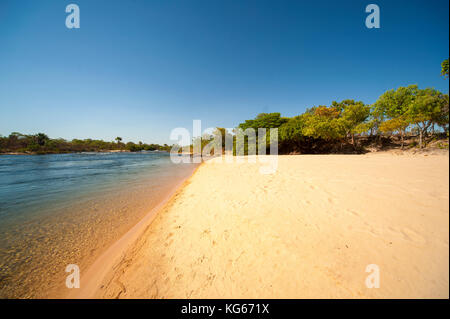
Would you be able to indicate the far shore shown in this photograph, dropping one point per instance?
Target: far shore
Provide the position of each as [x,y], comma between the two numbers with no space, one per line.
[103,151]
[308,231]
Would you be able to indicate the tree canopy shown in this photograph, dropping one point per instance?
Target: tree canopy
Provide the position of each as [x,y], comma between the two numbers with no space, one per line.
[396,111]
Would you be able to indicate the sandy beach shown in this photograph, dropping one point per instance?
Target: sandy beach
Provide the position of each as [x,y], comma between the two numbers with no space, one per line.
[307,231]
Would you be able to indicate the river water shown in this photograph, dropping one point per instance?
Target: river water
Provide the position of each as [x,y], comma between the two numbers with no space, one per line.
[65,209]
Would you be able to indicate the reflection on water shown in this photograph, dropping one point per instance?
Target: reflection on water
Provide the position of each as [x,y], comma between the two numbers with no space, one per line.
[67,208]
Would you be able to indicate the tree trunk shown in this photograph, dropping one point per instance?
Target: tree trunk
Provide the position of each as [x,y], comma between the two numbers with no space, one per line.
[420,138]
[402,138]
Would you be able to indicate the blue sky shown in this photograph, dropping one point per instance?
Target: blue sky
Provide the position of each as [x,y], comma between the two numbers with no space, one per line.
[138,69]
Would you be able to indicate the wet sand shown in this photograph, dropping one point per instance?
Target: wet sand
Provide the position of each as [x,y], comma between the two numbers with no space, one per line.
[308,231]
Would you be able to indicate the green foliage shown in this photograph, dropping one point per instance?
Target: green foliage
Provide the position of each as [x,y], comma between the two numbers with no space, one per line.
[292,130]
[427,107]
[264,120]
[395,103]
[322,126]
[354,114]
[395,111]
[41,144]
[394,125]
[400,110]
[444,68]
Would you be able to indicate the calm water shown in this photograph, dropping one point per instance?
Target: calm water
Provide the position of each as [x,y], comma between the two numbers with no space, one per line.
[29,182]
[58,209]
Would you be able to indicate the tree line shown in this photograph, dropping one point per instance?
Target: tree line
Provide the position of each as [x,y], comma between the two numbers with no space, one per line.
[343,126]
[407,110]
[349,125]
[41,144]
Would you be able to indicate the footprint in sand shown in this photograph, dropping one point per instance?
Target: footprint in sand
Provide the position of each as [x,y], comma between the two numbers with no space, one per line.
[405,234]
[413,236]
[353,212]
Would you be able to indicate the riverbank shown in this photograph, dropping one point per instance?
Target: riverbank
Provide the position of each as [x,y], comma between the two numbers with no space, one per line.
[308,231]
[68,152]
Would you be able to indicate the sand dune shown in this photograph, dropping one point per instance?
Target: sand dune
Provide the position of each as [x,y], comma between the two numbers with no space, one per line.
[307,231]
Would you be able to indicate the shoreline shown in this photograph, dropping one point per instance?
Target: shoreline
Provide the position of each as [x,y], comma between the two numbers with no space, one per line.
[83,152]
[112,256]
[309,231]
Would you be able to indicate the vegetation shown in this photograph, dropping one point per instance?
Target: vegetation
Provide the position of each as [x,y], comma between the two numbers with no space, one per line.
[345,126]
[444,68]
[42,144]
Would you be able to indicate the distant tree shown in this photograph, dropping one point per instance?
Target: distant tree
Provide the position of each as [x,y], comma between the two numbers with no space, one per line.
[41,144]
[119,140]
[133,147]
[221,135]
[41,139]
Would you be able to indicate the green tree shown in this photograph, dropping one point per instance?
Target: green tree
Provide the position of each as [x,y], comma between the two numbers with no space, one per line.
[221,135]
[442,118]
[353,116]
[394,125]
[262,120]
[323,123]
[292,130]
[41,139]
[444,68]
[394,104]
[119,140]
[425,109]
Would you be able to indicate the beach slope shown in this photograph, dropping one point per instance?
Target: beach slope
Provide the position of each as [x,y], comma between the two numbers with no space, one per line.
[310,230]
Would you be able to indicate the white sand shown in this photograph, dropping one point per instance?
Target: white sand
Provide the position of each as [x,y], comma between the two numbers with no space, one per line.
[307,231]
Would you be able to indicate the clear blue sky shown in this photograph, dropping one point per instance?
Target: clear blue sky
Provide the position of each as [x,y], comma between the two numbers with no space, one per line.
[137,69]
